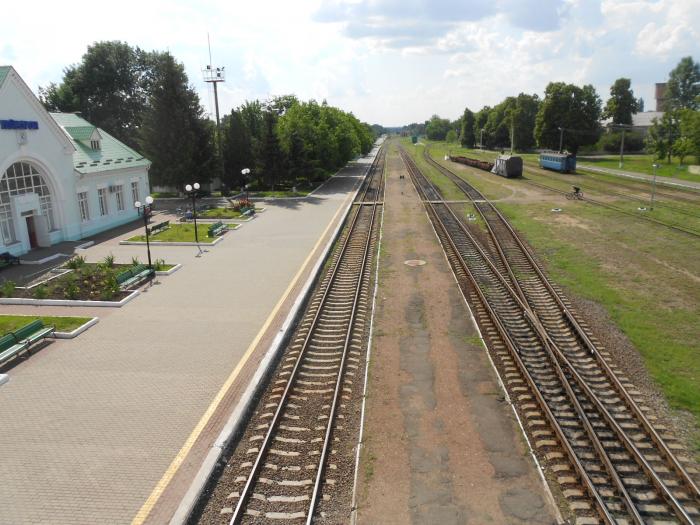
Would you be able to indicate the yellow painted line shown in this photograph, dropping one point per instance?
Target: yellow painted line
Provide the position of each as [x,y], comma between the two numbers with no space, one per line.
[160,487]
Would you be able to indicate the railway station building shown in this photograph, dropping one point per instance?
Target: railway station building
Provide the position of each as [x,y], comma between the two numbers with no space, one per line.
[62,179]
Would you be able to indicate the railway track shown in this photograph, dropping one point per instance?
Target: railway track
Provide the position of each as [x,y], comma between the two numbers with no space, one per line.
[295,461]
[607,459]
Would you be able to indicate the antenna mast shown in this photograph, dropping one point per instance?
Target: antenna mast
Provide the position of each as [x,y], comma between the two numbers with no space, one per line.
[213,76]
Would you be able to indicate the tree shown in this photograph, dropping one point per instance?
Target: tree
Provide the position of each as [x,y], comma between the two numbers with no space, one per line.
[236,148]
[108,88]
[466,135]
[480,119]
[690,129]
[682,91]
[683,147]
[451,136]
[662,135]
[640,105]
[621,105]
[576,110]
[436,128]
[174,135]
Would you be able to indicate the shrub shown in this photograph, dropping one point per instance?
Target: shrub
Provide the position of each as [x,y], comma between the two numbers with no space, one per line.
[610,142]
[135,261]
[41,292]
[8,288]
[108,261]
[76,262]
[159,264]
[110,288]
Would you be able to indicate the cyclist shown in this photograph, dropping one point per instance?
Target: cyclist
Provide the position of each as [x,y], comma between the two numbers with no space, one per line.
[577,192]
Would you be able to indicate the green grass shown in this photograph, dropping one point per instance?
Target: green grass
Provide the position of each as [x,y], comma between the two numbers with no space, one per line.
[179,233]
[279,194]
[164,194]
[10,323]
[643,164]
[220,213]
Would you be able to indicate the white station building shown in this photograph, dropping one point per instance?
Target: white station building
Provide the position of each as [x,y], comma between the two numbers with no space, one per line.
[63,179]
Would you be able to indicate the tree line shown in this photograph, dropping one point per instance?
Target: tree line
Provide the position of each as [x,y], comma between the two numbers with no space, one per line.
[144,99]
[569,118]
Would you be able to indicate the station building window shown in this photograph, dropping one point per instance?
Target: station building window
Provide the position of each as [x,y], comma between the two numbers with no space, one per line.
[102,197]
[135,191]
[18,179]
[119,194]
[83,205]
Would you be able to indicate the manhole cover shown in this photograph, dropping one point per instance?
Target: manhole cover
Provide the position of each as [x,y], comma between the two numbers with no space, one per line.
[414,262]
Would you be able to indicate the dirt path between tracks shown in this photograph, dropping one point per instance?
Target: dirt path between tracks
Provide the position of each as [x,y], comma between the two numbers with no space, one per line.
[441,444]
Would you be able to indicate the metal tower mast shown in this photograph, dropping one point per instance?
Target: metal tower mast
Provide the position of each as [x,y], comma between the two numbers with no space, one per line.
[213,76]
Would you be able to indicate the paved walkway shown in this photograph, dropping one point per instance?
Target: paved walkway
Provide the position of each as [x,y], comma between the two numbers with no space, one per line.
[670,181]
[90,425]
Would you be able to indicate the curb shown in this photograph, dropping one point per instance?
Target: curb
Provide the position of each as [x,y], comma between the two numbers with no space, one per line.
[256,385]
[68,302]
[77,331]
[171,271]
[159,243]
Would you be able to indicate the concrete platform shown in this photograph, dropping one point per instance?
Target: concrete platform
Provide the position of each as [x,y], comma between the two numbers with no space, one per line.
[111,426]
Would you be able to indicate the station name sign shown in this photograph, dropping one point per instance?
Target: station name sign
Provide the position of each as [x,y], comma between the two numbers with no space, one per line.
[19,124]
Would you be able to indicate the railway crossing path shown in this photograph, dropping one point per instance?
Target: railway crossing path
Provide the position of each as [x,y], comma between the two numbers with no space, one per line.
[111,426]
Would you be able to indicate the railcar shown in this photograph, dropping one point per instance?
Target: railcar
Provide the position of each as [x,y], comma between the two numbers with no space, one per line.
[562,162]
[474,163]
[509,166]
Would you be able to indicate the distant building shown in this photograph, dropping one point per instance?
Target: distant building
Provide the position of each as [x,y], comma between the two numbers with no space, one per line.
[61,178]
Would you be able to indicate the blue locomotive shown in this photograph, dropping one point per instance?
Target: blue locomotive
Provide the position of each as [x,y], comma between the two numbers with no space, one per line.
[562,162]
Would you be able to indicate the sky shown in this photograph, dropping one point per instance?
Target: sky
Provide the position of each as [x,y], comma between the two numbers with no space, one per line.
[390,62]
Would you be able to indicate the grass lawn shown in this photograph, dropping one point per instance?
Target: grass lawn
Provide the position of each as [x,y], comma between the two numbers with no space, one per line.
[278,194]
[164,194]
[178,233]
[10,323]
[643,164]
[643,275]
[220,213]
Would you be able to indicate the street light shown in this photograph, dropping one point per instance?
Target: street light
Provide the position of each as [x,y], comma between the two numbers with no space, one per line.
[653,187]
[191,189]
[561,139]
[481,139]
[245,172]
[146,209]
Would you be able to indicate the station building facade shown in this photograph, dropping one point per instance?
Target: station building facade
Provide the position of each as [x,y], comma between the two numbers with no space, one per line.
[62,179]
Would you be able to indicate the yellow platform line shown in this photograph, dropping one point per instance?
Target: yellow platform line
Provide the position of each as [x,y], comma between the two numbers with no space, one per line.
[160,487]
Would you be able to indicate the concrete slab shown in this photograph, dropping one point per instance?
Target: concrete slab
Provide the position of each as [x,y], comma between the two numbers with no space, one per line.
[91,425]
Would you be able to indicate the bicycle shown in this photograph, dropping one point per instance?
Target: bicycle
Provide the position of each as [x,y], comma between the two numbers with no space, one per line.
[577,194]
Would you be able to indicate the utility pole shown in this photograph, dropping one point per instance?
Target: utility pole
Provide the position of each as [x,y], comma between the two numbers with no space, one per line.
[622,149]
[653,187]
[561,139]
[512,135]
[213,76]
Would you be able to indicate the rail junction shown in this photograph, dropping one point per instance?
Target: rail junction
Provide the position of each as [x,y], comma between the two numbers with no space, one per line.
[600,450]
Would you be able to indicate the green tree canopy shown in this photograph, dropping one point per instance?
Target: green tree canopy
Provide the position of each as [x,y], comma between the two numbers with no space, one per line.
[621,105]
[466,135]
[663,134]
[575,109]
[683,90]
[175,135]
[108,87]
[436,128]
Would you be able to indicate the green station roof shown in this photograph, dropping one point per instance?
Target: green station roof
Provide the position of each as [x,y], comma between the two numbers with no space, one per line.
[112,154]
[4,70]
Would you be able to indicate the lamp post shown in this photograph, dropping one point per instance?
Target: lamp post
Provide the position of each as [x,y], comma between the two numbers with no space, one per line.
[145,209]
[561,139]
[653,186]
[192,189]
[245,172]
[481,139]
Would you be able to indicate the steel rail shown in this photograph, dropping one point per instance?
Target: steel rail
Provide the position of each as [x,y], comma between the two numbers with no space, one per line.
[577,329]
[245,493]
[560,359]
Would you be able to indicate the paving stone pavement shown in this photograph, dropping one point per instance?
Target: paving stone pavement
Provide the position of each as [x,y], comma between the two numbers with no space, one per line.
[89,425]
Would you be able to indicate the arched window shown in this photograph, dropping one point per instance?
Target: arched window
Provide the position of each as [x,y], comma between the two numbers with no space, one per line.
[20,178]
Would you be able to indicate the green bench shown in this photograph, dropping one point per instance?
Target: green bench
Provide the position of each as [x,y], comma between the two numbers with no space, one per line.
[15,342]
[246,212]
[7,259]
[133,275]
[160,227]
[216,229]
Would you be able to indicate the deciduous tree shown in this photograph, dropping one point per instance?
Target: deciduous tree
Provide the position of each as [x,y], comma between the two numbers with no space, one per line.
[466,135]
[621,105]
[683,90]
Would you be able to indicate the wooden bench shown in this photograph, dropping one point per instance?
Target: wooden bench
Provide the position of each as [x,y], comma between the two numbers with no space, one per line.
[15,342]
[7,259]
[216,229]
[134,275]
[160,227]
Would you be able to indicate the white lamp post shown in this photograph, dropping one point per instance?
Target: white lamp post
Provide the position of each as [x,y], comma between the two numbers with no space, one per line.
[192,190]
[145,209]
[245,172]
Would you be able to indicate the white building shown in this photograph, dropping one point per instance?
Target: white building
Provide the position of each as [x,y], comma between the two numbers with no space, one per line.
[62,178]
